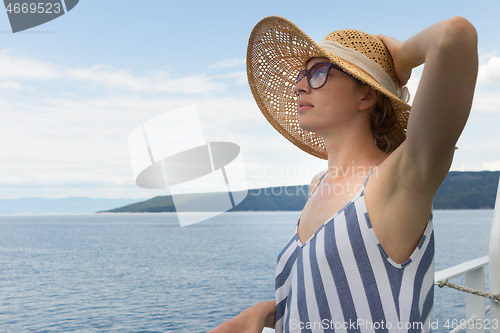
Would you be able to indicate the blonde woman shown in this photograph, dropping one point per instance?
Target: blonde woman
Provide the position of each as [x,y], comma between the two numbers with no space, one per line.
[362,256]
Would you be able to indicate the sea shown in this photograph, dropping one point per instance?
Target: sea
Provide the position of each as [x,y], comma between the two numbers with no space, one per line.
[144,273]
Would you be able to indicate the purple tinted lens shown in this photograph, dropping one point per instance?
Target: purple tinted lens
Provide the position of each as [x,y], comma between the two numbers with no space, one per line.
[318,75]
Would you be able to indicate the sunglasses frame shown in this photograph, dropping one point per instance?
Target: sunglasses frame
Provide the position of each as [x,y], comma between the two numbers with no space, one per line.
[307,73]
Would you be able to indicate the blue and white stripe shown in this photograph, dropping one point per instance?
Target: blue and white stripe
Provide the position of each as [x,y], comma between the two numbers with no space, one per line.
[341,280]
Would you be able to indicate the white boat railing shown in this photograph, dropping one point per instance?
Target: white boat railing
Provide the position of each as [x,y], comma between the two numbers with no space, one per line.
[474,271]
[474,305]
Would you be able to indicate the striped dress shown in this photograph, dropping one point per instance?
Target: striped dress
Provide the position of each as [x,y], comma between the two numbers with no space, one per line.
[341,279]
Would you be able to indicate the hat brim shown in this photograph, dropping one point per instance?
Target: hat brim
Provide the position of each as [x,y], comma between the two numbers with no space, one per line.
[277,51]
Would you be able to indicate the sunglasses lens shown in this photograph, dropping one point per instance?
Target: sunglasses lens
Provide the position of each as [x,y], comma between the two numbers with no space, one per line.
[318,75]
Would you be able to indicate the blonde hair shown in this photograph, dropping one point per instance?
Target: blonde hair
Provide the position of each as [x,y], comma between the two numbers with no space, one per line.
[386,130]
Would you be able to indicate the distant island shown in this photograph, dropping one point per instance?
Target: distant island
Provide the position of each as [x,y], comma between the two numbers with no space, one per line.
[460,190]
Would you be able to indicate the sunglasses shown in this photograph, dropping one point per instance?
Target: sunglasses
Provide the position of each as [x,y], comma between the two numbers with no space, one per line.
[317,75]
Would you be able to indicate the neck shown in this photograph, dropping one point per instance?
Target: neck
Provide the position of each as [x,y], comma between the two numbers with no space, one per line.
[352,155]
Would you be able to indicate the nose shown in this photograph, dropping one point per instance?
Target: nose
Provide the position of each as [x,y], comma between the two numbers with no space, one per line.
[302,86]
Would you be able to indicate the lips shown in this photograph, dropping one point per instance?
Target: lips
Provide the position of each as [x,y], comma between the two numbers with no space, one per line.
[304,106]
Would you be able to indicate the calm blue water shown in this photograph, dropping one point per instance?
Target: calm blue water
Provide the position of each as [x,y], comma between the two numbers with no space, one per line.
[143,273]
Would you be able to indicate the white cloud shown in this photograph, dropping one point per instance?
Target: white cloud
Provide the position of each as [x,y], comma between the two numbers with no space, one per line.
[11,85]
[18,67]
[489,72]
[15,68]
[156,82]
[233,62]
[486,100]
[412,84]
[488,83]
[240,77]
[492,166]
[68,178]
[486,166]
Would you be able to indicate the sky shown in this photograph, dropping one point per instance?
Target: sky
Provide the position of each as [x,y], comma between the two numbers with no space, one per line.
[72,90]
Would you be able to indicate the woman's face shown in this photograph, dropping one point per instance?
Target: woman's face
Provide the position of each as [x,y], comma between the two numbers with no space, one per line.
[336,103]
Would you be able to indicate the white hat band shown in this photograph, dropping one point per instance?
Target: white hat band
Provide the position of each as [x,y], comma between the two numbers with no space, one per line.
[367,64]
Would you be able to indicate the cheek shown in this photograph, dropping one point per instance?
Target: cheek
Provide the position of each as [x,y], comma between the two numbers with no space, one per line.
[346,94]
[338,100]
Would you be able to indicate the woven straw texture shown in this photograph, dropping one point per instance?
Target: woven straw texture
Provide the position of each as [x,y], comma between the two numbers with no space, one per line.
[278,50]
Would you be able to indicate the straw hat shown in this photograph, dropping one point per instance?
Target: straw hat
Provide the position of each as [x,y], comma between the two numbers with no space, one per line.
[278,50]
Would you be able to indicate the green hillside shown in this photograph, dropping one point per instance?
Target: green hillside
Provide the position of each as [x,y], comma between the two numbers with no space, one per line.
[460,190]
[467,190]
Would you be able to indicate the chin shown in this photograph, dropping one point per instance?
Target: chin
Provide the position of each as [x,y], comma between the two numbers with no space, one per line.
[306,126]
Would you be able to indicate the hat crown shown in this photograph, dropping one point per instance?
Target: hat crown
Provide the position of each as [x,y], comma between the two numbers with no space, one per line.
[368,45]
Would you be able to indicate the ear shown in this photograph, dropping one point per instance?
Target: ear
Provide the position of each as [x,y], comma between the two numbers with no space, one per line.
[369,99]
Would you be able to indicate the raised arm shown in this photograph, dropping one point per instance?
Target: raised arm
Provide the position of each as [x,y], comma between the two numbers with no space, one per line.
[442,102]
[400,203]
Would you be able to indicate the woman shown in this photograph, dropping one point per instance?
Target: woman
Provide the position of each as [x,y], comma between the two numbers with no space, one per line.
[361,258]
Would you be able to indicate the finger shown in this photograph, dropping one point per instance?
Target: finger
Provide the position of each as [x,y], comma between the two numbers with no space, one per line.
[382,37]
[386,40]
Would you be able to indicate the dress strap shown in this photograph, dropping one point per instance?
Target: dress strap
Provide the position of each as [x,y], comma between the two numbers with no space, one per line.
[326,172]
[368,176]
[319,182]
